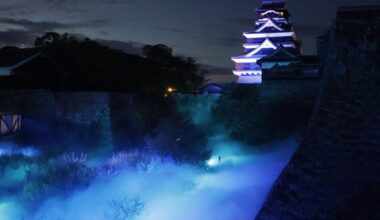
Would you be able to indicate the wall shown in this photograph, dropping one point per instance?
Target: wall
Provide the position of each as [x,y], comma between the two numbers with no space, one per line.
[63,118]
[335,173]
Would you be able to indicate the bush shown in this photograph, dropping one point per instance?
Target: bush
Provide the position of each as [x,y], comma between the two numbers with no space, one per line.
[126,159]
[257,121]
[177,137]
[52,177]
[123,208]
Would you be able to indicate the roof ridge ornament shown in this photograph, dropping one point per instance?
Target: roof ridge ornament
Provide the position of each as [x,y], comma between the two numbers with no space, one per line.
[273,2]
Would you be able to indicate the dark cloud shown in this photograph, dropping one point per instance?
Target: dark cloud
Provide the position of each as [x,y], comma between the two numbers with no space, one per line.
[225,41]
[127,47]
[240,20]
[73,1]
[39,26]
[26,31]
[218,74]
[32,25]
[12,37]
[8,8]
[171,29]
[210,31]
[16,10]
[213,70]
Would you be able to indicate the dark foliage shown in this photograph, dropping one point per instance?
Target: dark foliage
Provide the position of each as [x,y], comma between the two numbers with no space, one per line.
[251,119]
[68,62]
[43,176]
[179,72]
[61,180]
[179,138]
[135,118]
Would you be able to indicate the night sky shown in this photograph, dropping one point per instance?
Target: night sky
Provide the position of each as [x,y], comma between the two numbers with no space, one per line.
[208,30]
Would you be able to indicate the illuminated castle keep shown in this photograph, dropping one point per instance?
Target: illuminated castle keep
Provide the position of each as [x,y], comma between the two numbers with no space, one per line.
[273,30]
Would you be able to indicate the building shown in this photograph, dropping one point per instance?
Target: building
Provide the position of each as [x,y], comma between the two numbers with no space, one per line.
[211,89]
[272,30]
[9,124]
[29,68]
[12,58]
[283,65]
[334,173]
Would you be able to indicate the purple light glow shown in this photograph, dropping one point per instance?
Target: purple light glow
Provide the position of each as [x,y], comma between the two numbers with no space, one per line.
[273,29]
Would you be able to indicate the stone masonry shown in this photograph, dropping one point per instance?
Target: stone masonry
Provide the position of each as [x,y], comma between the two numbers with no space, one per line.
[335,173]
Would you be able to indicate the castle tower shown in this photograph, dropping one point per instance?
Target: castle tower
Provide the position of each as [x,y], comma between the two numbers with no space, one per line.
[272,30]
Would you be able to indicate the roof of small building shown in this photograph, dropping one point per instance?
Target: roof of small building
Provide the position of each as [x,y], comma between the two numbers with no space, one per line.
[10,56]
[211,88]
[211,85]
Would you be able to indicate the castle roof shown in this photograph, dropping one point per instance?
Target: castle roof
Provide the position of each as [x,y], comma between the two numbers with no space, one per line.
[269,24]
[270,35]
[280,54]
[273,4]
[261,51]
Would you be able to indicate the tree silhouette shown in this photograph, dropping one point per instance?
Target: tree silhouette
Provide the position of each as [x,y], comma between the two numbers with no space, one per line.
[70,62]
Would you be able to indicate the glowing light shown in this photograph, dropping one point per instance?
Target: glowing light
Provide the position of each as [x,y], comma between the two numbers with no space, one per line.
[245,60]
[269,35]
[250,79]
[260,42]
[213,162]
[254,46]
[247,73]
[171,89]
[29,152]
[269,11]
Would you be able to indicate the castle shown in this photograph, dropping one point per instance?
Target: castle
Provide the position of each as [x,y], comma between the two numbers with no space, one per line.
[273,32]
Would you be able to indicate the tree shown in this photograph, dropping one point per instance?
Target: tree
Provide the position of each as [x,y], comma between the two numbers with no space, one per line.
[158,52]
[47,39]
[84,64]
[259,121]
[183,73]
[176,136]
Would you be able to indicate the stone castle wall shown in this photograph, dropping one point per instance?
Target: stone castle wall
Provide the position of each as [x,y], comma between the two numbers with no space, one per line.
[64,118]
[335,173]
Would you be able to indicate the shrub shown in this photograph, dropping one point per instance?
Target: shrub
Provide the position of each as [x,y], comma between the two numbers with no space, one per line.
[123,208]
[259,121]
[121,160]
[52,177]
[177,137]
